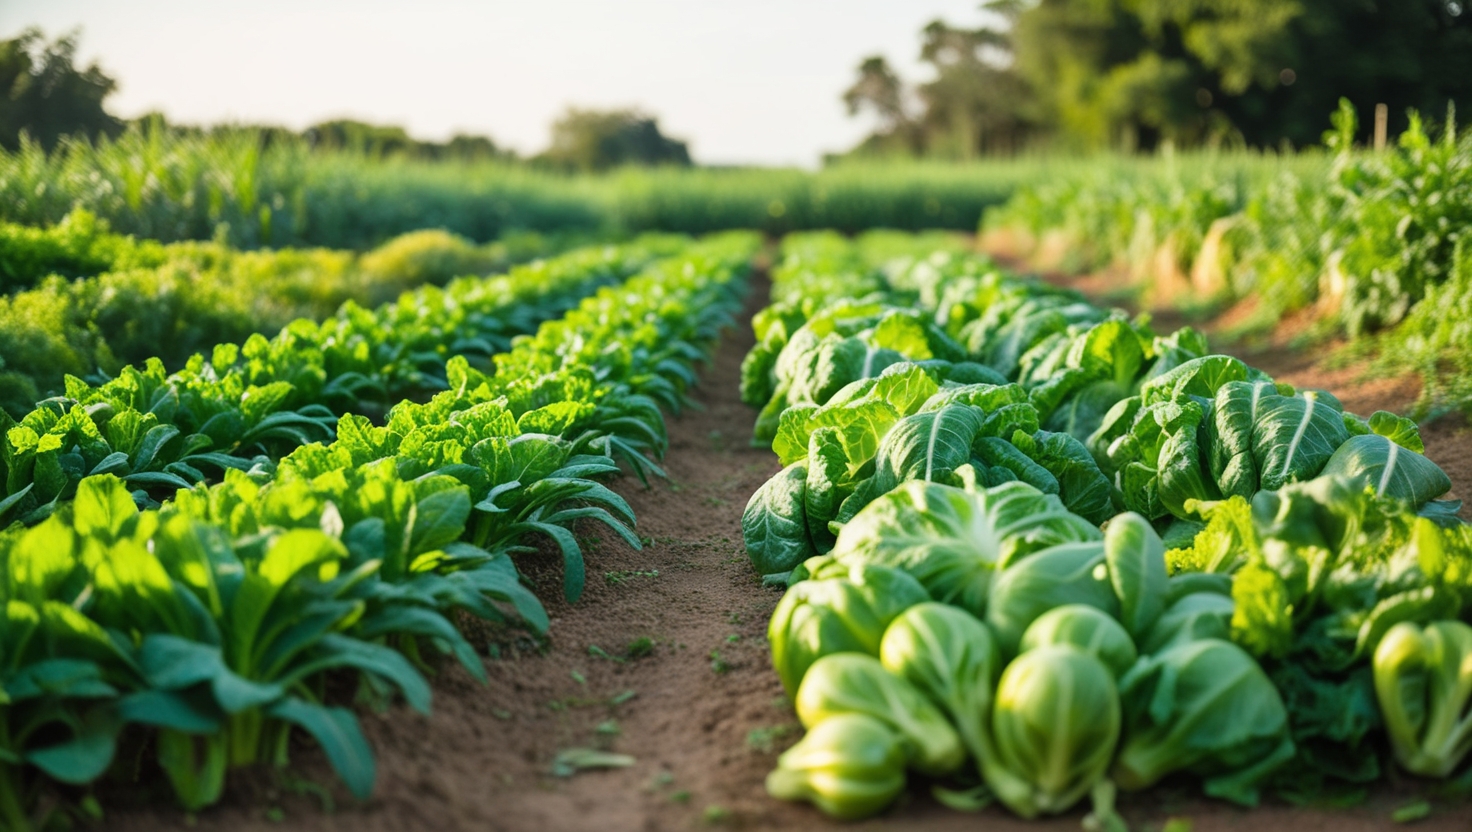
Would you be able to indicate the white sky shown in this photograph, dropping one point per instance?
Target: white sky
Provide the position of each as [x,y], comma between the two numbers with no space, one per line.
[756,81]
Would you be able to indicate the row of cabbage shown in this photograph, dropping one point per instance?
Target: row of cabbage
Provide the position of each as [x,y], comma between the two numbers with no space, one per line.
[1273,601]
[1360,238]
[197,635]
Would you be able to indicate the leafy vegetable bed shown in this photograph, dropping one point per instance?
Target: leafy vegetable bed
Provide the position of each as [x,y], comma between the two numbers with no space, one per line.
[201,631]
[1274,600]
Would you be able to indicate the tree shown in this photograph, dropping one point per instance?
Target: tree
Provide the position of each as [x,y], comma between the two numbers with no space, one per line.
[595,140]
[976,104]
[44,95]
[1132,74]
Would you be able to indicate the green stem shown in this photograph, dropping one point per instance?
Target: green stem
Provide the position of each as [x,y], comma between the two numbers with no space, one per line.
[13,815]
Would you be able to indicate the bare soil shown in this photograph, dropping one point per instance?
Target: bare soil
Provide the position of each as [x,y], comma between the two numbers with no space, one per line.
[702,715]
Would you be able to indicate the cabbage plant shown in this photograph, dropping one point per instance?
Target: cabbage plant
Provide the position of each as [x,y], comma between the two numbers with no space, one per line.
[950,656]
[1055,724]
[1069,573]
[849,683]
[831,615]
[849,765]
[954,540]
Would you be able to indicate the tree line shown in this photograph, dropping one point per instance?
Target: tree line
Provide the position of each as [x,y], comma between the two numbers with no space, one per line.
[1131,74]
[46,98]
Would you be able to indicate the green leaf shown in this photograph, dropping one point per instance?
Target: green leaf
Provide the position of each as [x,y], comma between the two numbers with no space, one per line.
[341,738]
[774,524]
[1136,560]
[86,755]
[101,508]
[439,519]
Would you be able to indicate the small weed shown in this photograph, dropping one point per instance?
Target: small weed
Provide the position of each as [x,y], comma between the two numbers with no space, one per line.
[578,677]
[717,663]
[662,780]
[681,796]
[734,618]
[608,728]
[765,740]
[639,648]
[733,638]
[714,814]
[621,698]
[716,502]
[616,578]
[275,815]
[500,713]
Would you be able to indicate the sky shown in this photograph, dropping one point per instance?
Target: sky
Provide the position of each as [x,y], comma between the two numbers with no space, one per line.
[751,82]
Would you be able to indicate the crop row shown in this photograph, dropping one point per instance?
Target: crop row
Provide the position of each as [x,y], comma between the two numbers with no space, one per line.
[201,633]
[243,406]
[84,301]
[1019,530]
[1358,242]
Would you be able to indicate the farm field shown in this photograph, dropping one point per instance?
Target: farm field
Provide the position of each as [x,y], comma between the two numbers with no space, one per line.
[702,736]
[1027,471]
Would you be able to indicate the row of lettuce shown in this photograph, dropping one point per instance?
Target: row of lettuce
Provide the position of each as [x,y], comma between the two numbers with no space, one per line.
[1366,242]
[303,570]
[79,299]
[1274,600]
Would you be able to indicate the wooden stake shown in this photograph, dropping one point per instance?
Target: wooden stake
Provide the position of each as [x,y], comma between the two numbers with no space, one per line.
[1382,115]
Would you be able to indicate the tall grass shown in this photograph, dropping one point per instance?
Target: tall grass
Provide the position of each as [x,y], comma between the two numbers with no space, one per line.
[235,186]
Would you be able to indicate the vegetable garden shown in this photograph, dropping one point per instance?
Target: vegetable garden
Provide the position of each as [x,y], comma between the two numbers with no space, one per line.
[736,532]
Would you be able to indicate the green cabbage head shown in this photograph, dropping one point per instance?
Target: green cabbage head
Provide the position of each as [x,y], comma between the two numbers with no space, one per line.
[855,683]
[849,766]
[1055,724]
[1423,681]
[849,613]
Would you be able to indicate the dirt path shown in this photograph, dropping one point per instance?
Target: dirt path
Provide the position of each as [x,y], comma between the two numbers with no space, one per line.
[702,714]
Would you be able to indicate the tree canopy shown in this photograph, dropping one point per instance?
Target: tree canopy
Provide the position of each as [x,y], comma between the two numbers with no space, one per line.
[44,95]
[1133,73]
[593,140]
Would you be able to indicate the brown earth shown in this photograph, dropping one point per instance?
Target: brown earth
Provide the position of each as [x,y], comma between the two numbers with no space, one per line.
[702,716]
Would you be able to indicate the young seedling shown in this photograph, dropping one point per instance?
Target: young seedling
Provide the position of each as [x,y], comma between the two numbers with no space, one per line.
[764,740]
[717,663]
[640,648]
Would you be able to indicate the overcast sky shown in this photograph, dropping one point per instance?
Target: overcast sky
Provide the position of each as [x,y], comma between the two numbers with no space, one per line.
[756,81]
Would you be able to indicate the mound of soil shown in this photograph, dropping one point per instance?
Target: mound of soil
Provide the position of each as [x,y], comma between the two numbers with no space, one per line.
[665,660]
